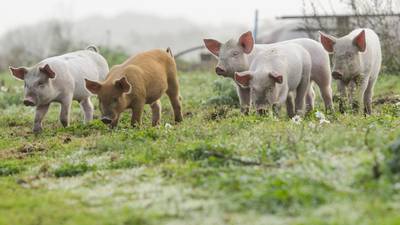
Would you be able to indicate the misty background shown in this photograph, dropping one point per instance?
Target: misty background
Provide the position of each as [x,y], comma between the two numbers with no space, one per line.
[33,30]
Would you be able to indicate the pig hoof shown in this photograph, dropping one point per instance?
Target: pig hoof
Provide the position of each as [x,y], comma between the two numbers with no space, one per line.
[155,124]
[245,111]
[65,124]
[261,112]
[355,106]
[37,130]
[179,119]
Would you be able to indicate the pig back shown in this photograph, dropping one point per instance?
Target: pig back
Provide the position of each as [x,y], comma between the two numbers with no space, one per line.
[71,69]
[297,59]
[156,66]
[148,73]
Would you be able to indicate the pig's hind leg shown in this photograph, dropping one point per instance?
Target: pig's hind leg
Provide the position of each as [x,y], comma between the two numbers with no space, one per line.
[321,75]
[175,98]
[301,92]
[87,108]
[310,98]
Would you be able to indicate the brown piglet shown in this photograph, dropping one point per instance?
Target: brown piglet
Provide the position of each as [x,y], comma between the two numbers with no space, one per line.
[140,80]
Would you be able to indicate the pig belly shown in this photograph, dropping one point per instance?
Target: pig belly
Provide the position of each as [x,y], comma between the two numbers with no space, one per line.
[78,75]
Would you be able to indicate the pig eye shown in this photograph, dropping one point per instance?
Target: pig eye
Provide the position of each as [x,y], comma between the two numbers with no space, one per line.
[41,84]
[235,53]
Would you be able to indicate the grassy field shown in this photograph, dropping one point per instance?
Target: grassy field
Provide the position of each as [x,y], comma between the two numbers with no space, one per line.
[217,167]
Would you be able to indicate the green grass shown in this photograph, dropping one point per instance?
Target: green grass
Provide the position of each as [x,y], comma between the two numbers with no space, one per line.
[216,167]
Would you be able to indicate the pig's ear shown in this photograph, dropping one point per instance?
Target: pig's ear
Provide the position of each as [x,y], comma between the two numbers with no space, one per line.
[93,86]
[19,73]
[276,77]
[246,41]
[327,41]
[213,46]
[122,84]
[360,41]
[243,78]
[48,71]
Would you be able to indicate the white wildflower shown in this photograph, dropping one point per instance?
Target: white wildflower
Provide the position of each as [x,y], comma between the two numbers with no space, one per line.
[3,89]
[322,121]
[168,126]
[397,104]
[319,115]
[296,119]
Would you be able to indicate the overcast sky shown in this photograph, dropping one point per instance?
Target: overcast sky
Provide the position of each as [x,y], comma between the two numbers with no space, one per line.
[17,12]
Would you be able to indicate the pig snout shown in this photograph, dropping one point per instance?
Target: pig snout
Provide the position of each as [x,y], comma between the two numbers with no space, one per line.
[106,120]
[337,75]
[220,71]
[29,101]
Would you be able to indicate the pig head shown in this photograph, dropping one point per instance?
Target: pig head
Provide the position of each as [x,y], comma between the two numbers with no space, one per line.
[264,86]
[346,59]
[233,55]
[111,98]
[38,84]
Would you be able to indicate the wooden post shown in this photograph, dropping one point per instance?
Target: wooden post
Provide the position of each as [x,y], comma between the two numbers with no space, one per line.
[342,25]
[255,31]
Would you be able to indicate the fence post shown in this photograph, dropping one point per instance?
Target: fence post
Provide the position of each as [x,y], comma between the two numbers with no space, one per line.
[255,31]
[342,25]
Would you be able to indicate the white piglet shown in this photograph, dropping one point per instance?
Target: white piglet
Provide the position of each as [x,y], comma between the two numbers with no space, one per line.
[237,55]
[277,75]
[61,79]
[356,60]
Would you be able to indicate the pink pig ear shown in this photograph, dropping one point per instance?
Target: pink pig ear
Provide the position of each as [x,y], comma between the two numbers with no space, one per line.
[246,41]
[276,77]
[19,73]
[243,78]
[48,71]
[123,85]
[93,86]
[213,46]
[360,41]
[327,41]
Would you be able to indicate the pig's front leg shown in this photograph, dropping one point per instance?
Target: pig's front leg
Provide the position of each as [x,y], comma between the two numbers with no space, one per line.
[244,97]
[343,96]
[290,106]
[114,123]
[65,109]
[301,93]
[137,111]
[156,111]
[358,94]
[276,108]
[310,98]
[368,97]
[40,113]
